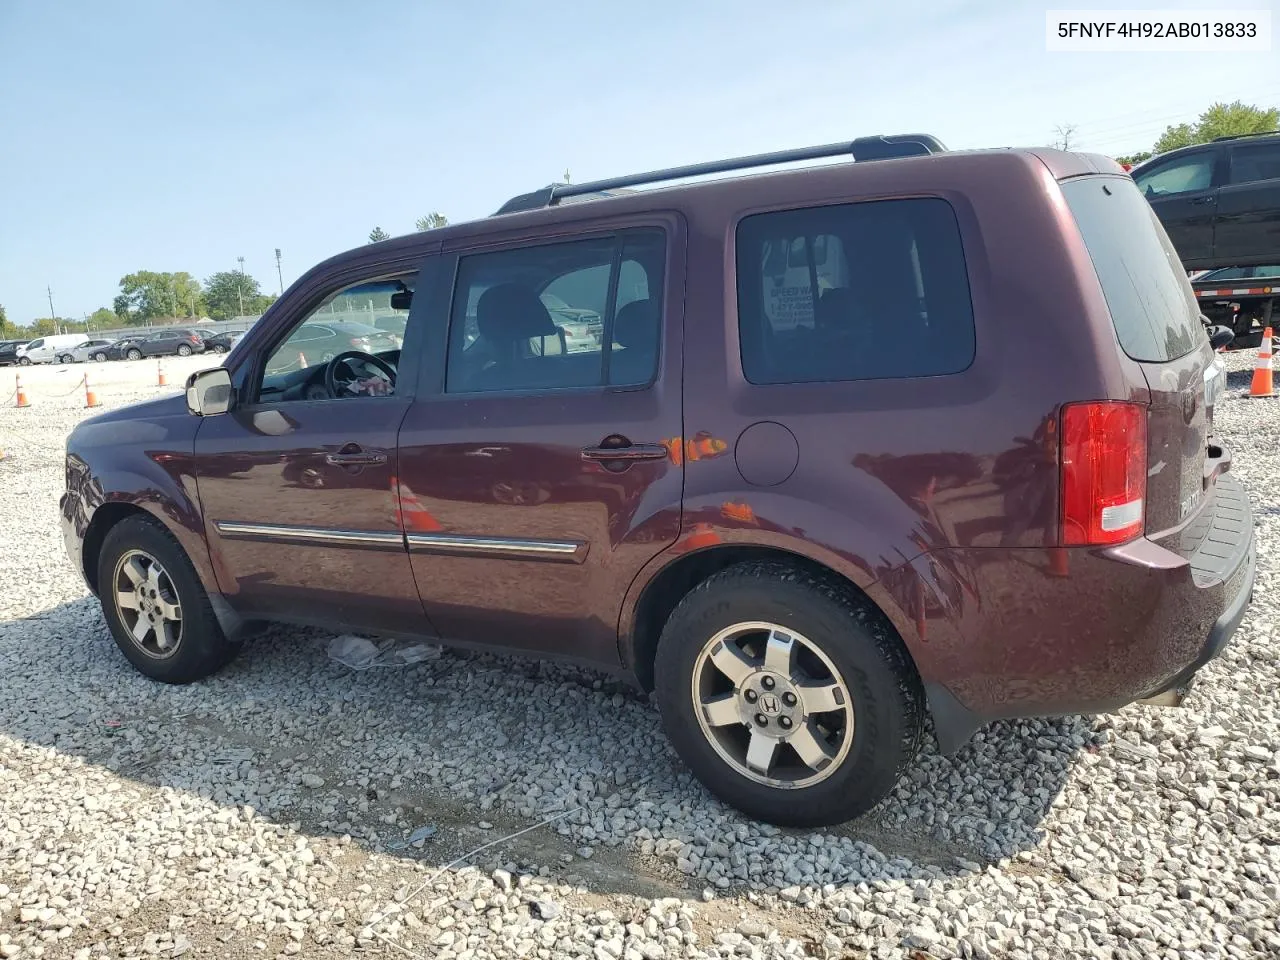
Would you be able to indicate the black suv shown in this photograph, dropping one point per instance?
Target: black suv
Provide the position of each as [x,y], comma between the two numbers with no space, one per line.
[1220,201]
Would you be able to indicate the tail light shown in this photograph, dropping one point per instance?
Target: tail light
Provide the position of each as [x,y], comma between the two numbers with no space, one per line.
[1104,472]
[359,342]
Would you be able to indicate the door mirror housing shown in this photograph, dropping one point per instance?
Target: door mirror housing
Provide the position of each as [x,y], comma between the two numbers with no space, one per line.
[1220,336]
[209,392]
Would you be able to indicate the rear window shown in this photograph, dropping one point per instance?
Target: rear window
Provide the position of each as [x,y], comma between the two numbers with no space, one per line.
[1151,303]
[859,291]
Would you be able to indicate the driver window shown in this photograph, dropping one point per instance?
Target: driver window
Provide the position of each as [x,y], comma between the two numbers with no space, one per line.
[347,347]
[1184,175]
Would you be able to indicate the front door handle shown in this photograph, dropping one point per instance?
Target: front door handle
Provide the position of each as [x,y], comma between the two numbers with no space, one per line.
[625,453]
[1208,199]
[353,455]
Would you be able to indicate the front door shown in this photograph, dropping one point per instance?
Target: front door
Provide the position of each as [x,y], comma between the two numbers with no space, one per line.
[537,477]
[1184,195]
[297,482]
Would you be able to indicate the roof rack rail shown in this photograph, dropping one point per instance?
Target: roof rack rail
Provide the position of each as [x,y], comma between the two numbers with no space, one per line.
[1241,136]
[861,149]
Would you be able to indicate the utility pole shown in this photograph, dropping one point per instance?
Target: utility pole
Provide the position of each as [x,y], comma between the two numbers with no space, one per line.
[240,285]
[279,274]
[52,316]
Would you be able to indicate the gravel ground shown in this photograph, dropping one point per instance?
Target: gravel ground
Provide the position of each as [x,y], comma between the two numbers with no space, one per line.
[282,807]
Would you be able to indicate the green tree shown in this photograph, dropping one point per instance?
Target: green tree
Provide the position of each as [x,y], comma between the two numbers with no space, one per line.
[1133,159]
[103,319]
[1220,120]
[4,322]
[226,292]
[147,295]
[377,233]
[431,221]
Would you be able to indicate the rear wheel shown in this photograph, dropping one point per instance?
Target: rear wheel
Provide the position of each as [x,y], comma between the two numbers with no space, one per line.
[66,358]
[786,696]
[218,348]
[100,357]
[134,354]
[156,607]
[184,350]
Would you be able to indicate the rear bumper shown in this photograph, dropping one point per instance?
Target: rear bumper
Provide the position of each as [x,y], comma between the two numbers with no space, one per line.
[1087,631]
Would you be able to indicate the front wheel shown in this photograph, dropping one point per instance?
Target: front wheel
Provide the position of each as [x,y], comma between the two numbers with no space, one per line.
[24,361]
[134,354]
[100,357]
[156,607]
[218,348]
[786,696]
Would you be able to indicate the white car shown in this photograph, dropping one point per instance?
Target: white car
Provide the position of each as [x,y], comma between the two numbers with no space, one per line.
[91,350]
[54,349]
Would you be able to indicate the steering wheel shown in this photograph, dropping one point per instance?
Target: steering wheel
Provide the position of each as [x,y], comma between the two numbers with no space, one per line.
[336,388]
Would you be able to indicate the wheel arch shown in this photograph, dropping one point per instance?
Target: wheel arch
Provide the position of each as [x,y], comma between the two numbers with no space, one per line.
[650,604]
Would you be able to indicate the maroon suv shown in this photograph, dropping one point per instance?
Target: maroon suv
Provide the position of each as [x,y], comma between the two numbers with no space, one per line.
[929,434]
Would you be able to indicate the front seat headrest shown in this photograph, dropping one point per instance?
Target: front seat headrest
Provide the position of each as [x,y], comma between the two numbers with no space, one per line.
[510,311]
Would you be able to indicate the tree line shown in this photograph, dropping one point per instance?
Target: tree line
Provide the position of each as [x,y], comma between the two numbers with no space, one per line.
[430,222]
[1220,120]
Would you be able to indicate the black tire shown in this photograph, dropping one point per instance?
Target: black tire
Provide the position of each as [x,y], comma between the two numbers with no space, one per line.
[885,691]
[202,649]
[24,361]
[184,350]
[218,348]
[134,354]
[100,357]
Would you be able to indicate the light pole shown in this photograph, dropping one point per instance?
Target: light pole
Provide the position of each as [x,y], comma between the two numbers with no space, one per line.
[240,284]
[279,274]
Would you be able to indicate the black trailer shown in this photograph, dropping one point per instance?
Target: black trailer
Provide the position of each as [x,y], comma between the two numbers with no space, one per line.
[1245,304]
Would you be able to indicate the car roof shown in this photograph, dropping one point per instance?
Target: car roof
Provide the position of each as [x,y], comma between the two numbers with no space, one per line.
[840,176]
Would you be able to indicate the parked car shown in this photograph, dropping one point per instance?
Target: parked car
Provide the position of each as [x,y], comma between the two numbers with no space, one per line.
[51,349]
[582,328]
[1219,201]
[316,340]
[164,342]
[92,350]
[9,351]
[811,509]
[222,342]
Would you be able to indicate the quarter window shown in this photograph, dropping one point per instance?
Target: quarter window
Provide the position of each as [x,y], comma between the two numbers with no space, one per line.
[557,316]
[1183,175]
[860,291]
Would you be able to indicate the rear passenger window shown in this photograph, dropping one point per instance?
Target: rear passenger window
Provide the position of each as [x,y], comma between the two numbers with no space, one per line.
[860,291]
[1258,161]
[1150,300]
[557,316]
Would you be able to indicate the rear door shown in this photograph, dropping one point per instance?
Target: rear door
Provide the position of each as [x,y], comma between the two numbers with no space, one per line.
[1248,227]
[1157,324]
[536,483]
[1183,192]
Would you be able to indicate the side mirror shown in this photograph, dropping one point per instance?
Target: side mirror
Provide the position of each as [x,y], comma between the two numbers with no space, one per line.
[1220,336]
[209,392]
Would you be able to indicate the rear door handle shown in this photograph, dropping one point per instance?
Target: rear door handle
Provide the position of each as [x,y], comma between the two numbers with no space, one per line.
[1204,199]
[353,455]
[625,454]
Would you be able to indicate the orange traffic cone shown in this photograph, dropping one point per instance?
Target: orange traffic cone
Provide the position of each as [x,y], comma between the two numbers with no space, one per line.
[161,379]
[90,398]
[22,394]
[1262,385]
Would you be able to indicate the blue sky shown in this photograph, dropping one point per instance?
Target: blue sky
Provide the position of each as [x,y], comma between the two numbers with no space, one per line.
[181,135]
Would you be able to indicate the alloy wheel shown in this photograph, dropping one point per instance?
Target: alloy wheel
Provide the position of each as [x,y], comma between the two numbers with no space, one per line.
[773,705]
[147,604]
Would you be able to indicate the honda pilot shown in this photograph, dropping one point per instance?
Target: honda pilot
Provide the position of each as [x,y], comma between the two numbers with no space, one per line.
[817,482]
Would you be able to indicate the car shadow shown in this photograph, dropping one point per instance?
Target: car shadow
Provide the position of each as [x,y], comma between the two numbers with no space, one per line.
[468,738]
